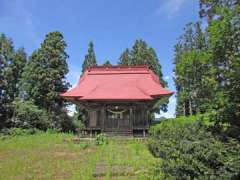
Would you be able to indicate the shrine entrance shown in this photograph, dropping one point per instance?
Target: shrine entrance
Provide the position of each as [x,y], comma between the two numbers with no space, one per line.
[117,118]
[120,118]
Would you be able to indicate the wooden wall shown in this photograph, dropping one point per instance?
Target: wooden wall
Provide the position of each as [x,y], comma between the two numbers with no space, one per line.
[134,117]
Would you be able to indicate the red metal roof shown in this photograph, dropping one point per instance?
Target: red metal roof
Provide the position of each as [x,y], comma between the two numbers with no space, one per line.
[117,83]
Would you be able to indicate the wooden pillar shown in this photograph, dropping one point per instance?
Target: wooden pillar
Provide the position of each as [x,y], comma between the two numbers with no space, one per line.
[103,116]
[131,118]
[147,118]
[91,133]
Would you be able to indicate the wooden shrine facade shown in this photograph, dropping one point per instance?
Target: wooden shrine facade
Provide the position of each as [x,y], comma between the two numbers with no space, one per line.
[117,99]
[123,118]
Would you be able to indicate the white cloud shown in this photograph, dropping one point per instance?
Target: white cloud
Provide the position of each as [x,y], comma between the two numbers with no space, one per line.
[166,78]
[171,109]
[170,7]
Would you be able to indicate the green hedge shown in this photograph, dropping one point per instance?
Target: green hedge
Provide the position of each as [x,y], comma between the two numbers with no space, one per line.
[190,151]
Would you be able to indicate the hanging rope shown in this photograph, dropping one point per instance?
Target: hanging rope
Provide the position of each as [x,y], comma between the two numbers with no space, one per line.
[117,112]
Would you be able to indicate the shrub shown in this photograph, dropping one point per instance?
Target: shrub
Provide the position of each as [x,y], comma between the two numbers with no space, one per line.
[52,131]
[191,151]
[78,122]
[84,145]
[101,139]
[62,121]
[27,115]
[18,132]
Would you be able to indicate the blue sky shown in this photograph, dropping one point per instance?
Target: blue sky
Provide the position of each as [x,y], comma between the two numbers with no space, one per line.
[112,26]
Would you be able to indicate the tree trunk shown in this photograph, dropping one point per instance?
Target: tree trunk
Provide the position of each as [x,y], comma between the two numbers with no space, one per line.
[190,107]
[184,109]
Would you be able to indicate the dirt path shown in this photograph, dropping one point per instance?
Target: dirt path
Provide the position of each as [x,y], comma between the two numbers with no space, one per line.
[123,160]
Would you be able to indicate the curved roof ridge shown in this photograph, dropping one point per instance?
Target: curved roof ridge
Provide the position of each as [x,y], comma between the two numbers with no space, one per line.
[117,68]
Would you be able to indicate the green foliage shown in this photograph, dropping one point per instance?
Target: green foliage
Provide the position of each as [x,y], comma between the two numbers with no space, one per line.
[62,121]
[19,132]
[50,156]
[224,46]
[28,115]
[11,67]
[207,67]
[107,63]
[193,83]
[44,75]
[101,139]
[190,151]
[89,61]
[78,122]
[84,145]
[14,72]
[80,118]
[209,8]
[6,53]
[43,80]
[204,118]
[125,58]
[52,131]
[90,58]
[142,54]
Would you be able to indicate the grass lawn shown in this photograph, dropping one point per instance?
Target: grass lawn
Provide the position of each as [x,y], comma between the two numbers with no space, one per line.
[55,156]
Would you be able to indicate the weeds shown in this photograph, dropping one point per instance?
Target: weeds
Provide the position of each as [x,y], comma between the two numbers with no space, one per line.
[45,155]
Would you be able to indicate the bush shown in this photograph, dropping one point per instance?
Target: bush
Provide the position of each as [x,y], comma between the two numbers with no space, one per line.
[53,131]
[101,139]
[78,122]
[28,116]
[191,151]
[62,121]
[18,132]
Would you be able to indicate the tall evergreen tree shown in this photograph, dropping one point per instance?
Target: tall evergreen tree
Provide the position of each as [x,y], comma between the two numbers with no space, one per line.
[142,54]
[153,63]
[12,64]
[125,58]
[209,8]
[107,63]
[89,61]
[208,65]
[6,55]
[139,53]
[15,71]
[224,46]
[43,78]
[191,70]
[90,58]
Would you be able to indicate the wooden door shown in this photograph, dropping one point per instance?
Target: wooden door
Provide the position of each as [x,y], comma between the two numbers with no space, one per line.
[93,118]
[117,119]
